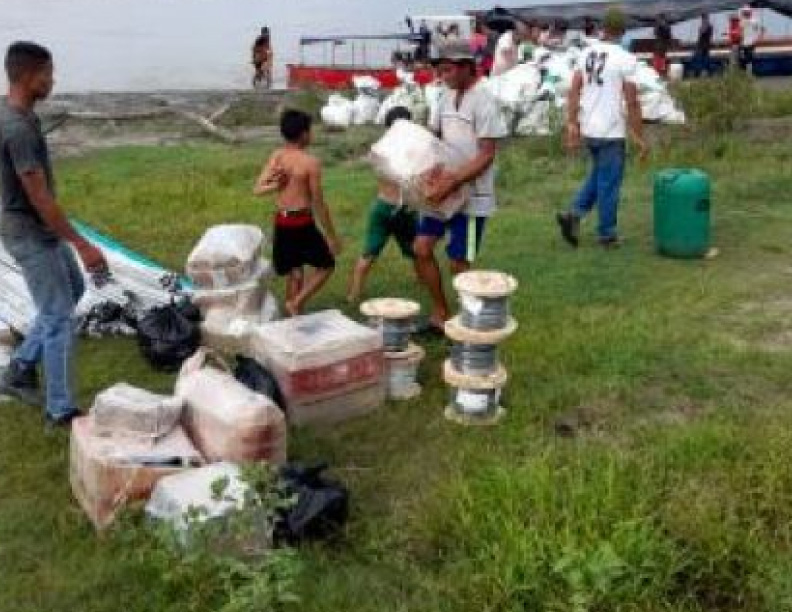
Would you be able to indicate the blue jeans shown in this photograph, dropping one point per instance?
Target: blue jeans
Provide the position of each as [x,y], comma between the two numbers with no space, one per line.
[56,284]
[603,185]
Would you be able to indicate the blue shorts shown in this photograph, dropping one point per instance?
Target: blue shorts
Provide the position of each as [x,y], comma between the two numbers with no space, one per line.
[464,234]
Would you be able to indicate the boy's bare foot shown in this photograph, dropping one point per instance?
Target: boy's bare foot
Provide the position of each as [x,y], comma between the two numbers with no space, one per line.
[292,308]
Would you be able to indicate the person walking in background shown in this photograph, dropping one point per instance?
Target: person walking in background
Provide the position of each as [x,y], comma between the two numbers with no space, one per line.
[478,42]
[663,39]
[262,60]
[752,32]
[425,42]
[702,60]
[469,120]
[735,40]
[37,233]
[602,88]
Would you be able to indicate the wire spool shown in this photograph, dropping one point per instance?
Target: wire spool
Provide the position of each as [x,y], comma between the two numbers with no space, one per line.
[484,299]
[395,318]
[457,332]
[402,373]
[474,359]
[475,400]
[475,407]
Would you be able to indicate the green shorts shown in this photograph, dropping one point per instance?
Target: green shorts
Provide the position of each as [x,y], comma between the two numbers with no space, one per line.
[386,221]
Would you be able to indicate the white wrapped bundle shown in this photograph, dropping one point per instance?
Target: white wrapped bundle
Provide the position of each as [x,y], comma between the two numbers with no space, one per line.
[226,255]
[338,112]
[408,155]
[365,109]
[408,95]
[174,496]
[226,420]
[124,410]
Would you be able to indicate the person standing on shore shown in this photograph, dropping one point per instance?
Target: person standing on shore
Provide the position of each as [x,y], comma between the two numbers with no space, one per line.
[601,89]
[262,60]
[752,32]
[469,120]
[37,233]
[702,61]
[663,39]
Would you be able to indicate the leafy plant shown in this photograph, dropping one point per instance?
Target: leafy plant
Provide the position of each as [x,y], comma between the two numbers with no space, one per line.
[231,561]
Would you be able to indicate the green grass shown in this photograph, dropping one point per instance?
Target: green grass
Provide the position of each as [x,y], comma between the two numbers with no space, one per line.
[675,494]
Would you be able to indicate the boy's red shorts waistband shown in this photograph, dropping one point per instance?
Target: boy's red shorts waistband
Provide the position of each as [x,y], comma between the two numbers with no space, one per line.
[293,218]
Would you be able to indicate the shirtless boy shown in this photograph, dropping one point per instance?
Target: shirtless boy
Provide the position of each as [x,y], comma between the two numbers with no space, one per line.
[296,177]
[388,217]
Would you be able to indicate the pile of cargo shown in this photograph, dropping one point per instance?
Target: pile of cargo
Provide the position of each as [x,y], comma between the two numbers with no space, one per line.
[325,368]
[531,93]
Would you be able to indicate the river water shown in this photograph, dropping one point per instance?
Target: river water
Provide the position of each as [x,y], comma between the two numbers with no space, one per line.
[126,45]
[165,44]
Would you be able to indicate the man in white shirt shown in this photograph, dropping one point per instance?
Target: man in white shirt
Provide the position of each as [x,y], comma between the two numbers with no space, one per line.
[468,119]
[751,34]
[602,90]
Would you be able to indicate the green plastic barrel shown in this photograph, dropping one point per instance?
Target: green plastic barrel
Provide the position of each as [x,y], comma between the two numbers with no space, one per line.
[682,213]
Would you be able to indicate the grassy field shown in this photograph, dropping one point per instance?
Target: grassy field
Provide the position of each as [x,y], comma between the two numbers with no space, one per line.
[644,463]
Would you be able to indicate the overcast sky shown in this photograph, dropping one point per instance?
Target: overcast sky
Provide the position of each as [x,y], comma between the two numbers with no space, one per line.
[151,44]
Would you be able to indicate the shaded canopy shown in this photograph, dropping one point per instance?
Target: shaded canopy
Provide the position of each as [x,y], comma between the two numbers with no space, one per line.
[639,13]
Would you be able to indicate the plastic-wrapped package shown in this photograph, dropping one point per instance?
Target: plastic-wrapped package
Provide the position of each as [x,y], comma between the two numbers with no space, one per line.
[408,95]
[174,496]
[106,473]
[323,362]
[365,108]
[231,333]
[244,298]
[226,255]
[124,410]
[338,112]
[407,155]
[226,420]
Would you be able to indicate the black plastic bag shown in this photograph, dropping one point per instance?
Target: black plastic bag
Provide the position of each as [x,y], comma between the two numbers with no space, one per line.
[168,335]
[321,509]
[259,379]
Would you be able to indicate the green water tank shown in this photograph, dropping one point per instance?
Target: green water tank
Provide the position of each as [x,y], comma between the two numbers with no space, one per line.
[682,213]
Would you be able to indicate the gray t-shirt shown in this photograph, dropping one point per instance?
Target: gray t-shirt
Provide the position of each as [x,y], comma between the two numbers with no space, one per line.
[477,117]
[22,149]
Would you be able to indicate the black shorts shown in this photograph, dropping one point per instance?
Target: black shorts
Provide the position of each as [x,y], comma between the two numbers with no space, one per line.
[302,245]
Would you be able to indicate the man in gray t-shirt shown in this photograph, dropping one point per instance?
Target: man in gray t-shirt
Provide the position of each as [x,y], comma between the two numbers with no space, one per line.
[37,234]
[469,120]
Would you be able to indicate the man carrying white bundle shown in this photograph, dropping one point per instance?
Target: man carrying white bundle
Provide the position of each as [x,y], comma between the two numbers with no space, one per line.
[468,119]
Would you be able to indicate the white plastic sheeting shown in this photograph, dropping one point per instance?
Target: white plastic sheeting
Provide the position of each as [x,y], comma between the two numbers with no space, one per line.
[142,283]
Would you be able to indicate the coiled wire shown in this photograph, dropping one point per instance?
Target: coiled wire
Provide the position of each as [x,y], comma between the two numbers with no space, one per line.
[484,314]
[396,334]
[402,378]
[474,359]
[475,402]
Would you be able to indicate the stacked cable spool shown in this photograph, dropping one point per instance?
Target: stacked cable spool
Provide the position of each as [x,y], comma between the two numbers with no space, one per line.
[396,319]
[474,371]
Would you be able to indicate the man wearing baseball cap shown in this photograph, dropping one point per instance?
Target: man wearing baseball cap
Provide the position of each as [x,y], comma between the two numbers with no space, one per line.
[469,120]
